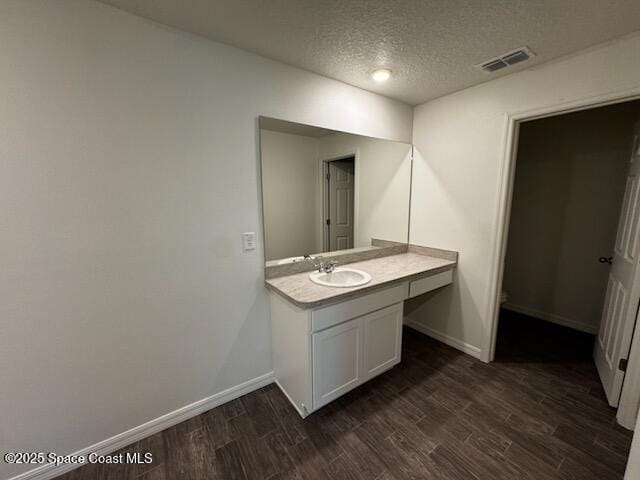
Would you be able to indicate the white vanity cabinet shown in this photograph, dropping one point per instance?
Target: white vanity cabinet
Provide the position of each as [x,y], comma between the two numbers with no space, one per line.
[355,351]
[336,361]
[321,351]
[321,354]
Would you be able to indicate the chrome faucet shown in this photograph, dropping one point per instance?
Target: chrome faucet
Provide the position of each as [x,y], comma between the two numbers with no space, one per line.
[327,267]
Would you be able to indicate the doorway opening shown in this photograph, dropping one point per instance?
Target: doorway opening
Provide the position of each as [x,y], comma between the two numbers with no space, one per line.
[338,203]
[572,243]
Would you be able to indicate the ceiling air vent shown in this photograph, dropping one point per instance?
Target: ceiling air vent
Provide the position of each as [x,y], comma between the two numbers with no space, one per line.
[493,65]
[506,60]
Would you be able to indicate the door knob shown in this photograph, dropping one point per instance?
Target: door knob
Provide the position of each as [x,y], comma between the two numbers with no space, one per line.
[608,260]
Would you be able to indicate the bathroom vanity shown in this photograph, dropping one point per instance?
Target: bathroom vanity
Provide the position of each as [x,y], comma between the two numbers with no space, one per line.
[328,340]
[347,198]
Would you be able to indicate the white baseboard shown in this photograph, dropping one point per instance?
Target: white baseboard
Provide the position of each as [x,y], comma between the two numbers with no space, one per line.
[551,317]
[110,445]
[446,339]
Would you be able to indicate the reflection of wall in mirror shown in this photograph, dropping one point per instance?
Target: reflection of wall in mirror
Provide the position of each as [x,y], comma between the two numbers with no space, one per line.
[290,178]
[383,171]
[293,187]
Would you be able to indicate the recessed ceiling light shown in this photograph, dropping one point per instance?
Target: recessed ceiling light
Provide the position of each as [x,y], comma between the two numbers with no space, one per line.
[381,75]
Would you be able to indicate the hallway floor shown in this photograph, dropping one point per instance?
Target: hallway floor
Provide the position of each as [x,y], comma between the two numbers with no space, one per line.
[536,413]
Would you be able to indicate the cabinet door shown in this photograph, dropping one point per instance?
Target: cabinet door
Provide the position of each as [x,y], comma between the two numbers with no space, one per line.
[382,332]
[337,361]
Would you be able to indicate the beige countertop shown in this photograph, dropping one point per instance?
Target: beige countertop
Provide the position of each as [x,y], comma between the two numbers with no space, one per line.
[384,271]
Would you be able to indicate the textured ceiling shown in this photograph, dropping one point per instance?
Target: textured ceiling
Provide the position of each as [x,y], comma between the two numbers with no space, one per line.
[431,45]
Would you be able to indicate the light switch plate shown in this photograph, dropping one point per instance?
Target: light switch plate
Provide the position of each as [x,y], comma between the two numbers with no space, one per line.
[249,241]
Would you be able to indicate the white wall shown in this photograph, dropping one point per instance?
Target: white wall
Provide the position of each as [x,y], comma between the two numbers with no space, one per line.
[128,172]
[459,144]
[291,216]
[569,184]
[383,177]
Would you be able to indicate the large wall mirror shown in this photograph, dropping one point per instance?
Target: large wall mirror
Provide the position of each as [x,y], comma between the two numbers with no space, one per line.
[325,190]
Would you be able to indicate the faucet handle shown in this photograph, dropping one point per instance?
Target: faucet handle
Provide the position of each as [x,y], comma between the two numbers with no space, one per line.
[330,266]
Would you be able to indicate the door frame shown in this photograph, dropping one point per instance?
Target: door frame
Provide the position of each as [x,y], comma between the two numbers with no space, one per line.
[511,128]
[324,169]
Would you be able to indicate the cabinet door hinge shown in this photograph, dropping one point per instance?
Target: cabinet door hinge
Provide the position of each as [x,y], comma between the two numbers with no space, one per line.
[622,364]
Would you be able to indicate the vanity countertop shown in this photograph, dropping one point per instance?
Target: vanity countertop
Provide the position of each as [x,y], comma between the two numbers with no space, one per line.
[384,271]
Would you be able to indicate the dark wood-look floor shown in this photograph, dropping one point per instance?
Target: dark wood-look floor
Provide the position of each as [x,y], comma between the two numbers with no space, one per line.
[536,413]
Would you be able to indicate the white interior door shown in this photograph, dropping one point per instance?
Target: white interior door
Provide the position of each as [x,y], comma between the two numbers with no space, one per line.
[341,196]
[623,290]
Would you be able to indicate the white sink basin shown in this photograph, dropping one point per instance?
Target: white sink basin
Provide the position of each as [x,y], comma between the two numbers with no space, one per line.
[341,277]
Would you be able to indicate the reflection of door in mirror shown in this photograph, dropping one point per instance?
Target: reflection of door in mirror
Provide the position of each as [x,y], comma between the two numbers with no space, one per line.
[366,197]
[340,186]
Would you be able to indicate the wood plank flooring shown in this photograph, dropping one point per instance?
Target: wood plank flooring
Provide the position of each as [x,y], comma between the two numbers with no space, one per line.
[536,413]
